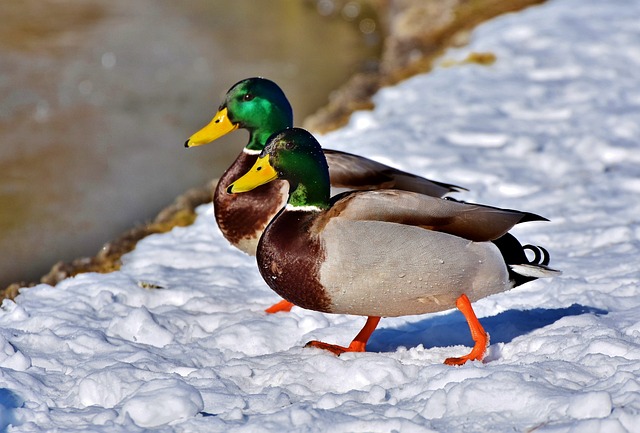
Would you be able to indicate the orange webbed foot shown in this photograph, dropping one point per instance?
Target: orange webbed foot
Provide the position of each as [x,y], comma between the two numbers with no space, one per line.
[476,354]
[359,344]
[333,348]
[479,335]
[282,306]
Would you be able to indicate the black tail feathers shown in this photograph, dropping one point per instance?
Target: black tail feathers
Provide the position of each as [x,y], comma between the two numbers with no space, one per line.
[541,255]
[521,268]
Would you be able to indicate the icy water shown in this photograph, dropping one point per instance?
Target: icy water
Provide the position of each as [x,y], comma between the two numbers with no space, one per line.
[97,99]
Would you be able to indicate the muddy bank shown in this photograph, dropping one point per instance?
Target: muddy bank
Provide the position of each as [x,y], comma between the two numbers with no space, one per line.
[415,33]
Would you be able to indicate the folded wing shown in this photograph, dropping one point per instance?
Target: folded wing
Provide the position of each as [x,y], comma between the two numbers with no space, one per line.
[470,221]
[356,173]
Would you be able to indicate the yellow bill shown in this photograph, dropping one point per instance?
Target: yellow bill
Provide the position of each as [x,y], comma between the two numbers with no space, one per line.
[262,172]
[220,125]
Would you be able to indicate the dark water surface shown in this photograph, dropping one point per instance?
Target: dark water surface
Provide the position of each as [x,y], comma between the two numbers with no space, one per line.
[97,99]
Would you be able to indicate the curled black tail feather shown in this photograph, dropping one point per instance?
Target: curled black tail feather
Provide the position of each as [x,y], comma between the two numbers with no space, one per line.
[541,255]
[521,269]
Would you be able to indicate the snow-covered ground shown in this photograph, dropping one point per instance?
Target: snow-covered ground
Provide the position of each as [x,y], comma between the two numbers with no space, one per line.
[551,128]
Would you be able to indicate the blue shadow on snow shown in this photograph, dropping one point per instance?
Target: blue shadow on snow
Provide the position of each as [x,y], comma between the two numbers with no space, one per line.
[9,401]
[452,329]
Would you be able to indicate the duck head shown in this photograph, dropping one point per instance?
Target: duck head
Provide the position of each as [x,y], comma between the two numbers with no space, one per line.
[295,156]
[255,104]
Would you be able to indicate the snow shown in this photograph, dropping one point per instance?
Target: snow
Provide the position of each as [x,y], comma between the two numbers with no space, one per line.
[177,340]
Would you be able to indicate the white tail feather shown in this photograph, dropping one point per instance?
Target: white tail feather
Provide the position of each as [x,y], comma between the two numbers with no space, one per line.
[535,271]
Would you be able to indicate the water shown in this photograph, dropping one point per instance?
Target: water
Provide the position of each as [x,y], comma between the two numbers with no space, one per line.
[97,99]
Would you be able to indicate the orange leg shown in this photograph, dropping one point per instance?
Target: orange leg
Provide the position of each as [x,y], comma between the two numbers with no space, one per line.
[359,344]
[284,306]
[478,334]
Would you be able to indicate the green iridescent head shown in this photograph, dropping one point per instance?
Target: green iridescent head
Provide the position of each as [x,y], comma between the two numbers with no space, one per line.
[255,104]
[295,156]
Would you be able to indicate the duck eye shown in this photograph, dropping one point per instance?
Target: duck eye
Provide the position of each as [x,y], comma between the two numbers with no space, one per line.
[248,97]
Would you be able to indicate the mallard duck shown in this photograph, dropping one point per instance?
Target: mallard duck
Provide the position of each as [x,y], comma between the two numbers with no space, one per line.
[382,253]
[261,107]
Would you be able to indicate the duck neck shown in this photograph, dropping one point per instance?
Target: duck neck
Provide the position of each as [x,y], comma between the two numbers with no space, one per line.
[310,190]
[258,139]
[306,197]
[273,119]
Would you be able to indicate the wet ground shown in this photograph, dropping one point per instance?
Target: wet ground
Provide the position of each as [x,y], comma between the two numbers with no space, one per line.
[97,99]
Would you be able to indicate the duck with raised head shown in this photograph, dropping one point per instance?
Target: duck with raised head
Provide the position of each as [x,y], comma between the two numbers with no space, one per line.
[382,253]
[261,107]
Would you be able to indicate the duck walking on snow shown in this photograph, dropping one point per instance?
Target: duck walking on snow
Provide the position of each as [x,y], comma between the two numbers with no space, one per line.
[260,106]
[381,253]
